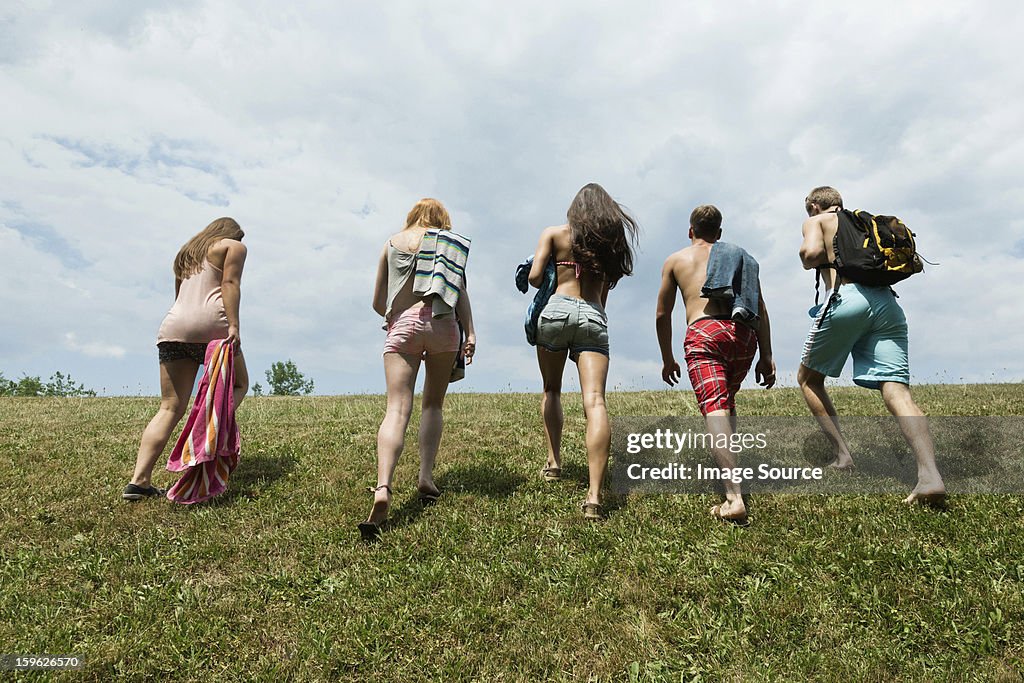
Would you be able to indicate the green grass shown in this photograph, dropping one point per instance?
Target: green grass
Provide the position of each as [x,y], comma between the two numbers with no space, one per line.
[503,580]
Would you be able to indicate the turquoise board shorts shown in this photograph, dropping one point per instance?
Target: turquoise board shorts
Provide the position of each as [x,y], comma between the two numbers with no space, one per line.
[867,323]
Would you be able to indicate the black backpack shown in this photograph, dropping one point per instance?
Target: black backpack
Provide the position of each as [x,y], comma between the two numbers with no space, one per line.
[874,250]
[877,251]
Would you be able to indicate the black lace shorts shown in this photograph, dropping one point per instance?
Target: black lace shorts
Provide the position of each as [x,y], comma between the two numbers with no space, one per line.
[171,351]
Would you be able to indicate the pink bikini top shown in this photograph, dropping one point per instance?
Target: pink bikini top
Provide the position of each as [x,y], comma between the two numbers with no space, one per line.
[570,263]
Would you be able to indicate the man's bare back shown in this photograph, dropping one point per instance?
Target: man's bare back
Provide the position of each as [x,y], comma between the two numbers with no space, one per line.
[686,271]
[689,268]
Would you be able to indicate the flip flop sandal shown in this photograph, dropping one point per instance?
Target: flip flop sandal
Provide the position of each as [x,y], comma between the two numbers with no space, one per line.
[369,531]
[552,473]
[134,492]
[592,512]
[429,498]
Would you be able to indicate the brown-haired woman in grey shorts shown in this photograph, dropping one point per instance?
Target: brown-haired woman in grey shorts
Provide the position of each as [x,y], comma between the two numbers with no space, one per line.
[207,291]
[592,252]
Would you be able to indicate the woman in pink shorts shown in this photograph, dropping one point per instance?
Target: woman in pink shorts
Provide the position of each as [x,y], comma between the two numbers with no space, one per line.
[414,335]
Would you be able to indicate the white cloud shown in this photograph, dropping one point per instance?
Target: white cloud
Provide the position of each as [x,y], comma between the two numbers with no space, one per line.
[93,349]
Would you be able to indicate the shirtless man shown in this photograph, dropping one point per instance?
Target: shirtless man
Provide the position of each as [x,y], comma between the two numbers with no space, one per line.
[869,323]
[718,349]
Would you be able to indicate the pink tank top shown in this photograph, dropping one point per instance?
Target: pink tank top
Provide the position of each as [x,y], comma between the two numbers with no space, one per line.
[197,315]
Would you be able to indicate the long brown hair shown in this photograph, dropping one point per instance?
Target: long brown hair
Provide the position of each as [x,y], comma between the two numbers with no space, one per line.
[191,256]
[430,213]
[601,233]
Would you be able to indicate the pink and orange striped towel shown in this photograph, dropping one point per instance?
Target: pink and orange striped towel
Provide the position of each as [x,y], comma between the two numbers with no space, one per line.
[209,446]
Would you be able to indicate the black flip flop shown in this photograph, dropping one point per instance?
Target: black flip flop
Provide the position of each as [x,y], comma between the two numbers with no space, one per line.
[134,492]
[369,532]
[428,498]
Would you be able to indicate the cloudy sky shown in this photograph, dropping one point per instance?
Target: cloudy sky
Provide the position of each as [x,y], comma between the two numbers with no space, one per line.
[127,127]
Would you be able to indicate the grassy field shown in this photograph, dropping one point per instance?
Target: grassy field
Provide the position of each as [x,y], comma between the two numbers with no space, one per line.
[503,580]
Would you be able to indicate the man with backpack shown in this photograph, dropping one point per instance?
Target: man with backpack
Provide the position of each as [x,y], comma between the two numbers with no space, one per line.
[858,256]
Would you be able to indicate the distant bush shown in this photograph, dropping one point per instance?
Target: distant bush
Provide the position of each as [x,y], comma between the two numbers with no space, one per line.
[58,385]
[286,380]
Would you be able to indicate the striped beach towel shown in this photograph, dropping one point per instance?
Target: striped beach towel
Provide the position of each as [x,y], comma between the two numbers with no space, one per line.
[441,268]
[209,446]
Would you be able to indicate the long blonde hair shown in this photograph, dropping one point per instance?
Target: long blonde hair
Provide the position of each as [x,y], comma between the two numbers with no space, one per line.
[430,213]
[191,256]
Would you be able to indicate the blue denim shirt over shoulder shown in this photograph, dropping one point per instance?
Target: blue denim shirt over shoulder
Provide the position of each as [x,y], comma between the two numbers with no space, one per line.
[732,277]
[540,299]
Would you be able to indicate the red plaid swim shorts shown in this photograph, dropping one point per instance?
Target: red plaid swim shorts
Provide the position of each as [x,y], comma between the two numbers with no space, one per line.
[718,357]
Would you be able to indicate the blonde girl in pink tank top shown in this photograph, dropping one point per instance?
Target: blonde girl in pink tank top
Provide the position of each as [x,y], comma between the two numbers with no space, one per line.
[207,291]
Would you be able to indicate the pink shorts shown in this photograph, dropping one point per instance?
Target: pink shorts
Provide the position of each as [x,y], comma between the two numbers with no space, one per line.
[416,332]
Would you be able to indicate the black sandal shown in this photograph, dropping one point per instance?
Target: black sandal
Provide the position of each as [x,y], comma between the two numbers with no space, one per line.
[428,498]
[134,492]
[369,531]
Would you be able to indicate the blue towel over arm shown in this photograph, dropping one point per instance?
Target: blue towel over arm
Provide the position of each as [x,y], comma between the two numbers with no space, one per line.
[540,300]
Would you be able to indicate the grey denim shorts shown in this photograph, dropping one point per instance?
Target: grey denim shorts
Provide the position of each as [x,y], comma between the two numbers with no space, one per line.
[573,324]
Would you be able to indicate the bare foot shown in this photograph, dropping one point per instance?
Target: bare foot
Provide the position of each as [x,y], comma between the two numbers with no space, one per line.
[930,495]
[733,511]
[843,463]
